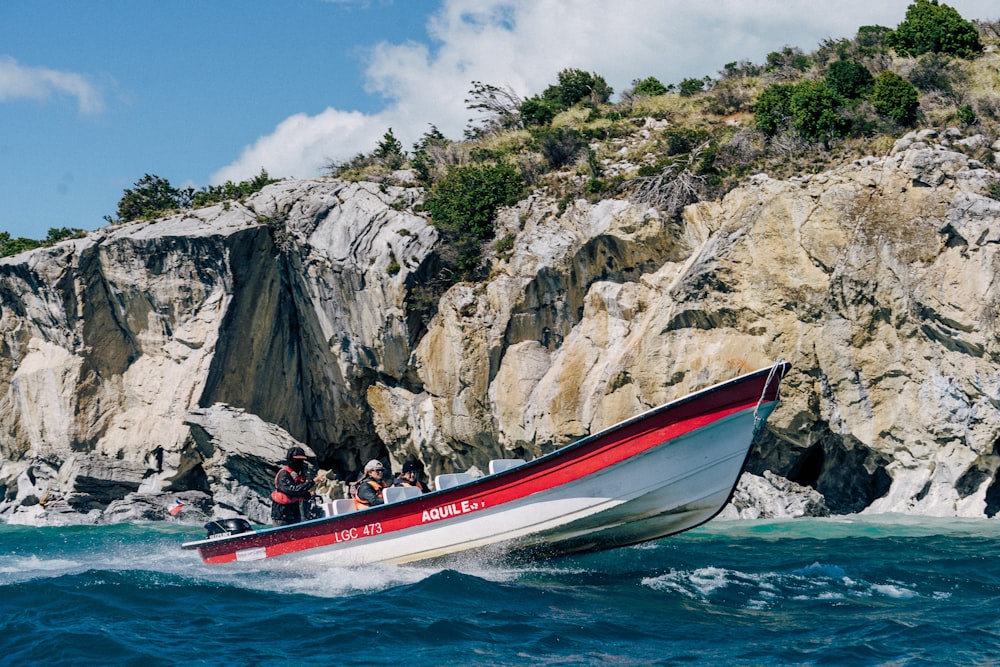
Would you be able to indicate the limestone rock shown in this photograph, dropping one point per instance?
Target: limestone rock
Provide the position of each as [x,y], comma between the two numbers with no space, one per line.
[183,355]
[772,497]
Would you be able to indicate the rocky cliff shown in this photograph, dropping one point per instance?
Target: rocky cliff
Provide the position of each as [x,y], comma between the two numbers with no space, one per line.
[178,358]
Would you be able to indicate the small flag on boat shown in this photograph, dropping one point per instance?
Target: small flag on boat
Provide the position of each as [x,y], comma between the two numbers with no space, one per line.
[178,506]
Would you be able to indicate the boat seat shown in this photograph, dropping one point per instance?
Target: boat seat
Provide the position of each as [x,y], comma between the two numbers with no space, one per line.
[449,480]
[394,494]
[339,506]
[499,465]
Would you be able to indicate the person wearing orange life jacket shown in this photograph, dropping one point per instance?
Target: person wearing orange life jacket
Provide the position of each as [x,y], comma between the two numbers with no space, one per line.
[290,488]
[410,476]
[371,485]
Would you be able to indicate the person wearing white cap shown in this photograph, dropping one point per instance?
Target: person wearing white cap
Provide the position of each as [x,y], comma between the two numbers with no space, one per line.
[371,485]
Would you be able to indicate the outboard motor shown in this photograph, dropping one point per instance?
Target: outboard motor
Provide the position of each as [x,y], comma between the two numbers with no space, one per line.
[227,527]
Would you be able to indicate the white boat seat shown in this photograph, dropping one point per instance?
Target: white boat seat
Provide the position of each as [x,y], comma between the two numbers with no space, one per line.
[499,465]
[449,480]
[394,494]
[339,506]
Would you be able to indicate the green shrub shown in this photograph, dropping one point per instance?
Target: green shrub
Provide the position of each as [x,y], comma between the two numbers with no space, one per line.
[895,97]
[151,196]
[650,86]
[743,68]
[690,87]
[578,86]
[812,108]
[423,161]
[9,246]
[594,186]
[789,58]
[872,40]
[464,203]
[390,151]
[815,110]
[966,115]
[594,166]
[57,234]
[933,28]
[505,245]
[538,111]
[933,71]
[559,146]
[228,191]
[772,110]
[683,140]
[850,79]
[467,198]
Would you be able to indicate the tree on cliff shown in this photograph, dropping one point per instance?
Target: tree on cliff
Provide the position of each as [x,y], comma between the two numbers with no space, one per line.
[151,196]
[933,28]
[499,106]
[154,196]
[650,87]
[390,151]
[574,86]
[12,246]
[578,86]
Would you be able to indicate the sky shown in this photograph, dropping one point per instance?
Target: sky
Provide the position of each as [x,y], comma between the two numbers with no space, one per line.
[95,94]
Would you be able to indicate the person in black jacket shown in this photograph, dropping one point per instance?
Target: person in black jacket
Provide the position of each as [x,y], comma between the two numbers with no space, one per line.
[410,476]
[290,488]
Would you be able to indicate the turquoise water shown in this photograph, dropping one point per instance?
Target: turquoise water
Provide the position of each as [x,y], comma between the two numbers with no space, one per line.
[847,591]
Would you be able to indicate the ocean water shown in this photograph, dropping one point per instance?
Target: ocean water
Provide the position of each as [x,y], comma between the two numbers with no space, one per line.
[884,590]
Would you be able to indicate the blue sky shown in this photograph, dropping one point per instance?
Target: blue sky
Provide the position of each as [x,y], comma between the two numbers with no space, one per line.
[95,94]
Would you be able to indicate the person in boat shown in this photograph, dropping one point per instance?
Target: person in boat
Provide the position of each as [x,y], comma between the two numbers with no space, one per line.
[410,476]
[371,485]
[291,487]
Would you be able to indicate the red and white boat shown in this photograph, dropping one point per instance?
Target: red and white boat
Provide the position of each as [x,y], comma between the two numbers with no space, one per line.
[665,471]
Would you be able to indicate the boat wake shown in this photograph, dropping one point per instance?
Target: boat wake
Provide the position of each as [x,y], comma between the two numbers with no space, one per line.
[763,590]
[48,554]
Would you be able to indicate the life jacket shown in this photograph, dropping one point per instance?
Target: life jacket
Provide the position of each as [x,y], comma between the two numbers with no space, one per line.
[359,502]
[281,497]
[403,482]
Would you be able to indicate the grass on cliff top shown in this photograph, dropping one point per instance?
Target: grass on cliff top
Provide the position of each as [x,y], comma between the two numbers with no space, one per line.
[710,139]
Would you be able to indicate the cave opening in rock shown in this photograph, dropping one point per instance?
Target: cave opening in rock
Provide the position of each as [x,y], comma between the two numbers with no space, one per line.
[993,498]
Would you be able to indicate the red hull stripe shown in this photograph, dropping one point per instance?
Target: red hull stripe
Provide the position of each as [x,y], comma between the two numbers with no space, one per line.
[584,458]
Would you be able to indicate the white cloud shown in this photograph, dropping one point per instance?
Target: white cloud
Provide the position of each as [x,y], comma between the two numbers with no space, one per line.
[525,43]
[302,144]
[40,83]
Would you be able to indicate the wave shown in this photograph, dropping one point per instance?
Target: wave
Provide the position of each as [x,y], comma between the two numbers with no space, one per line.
[760,590]
[851,591]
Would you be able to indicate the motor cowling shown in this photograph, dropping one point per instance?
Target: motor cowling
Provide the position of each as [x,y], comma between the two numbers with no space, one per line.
[227,527]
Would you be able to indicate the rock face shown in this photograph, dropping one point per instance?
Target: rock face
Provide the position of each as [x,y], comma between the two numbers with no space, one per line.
[179,358]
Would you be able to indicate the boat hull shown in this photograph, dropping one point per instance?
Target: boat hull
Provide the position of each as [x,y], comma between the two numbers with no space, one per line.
[663,472]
